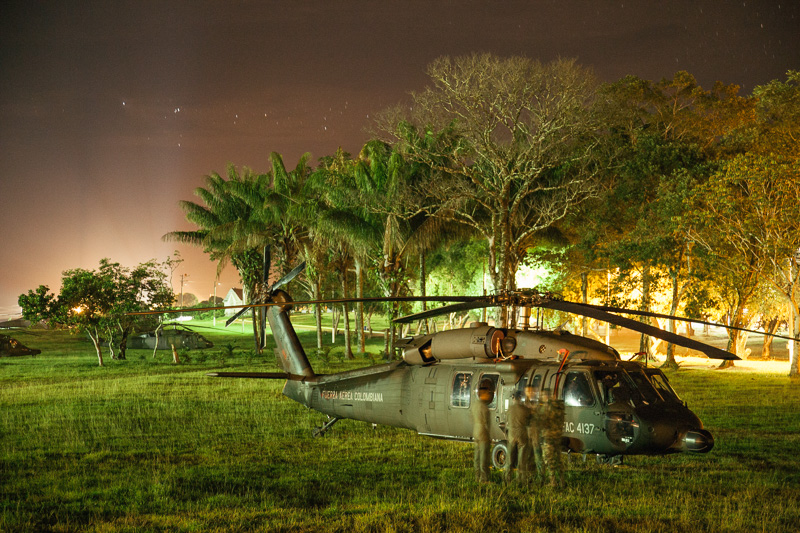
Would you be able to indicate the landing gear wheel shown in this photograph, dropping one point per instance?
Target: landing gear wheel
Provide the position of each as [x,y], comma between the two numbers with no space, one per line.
[499,455]
[613,460]
[320,431]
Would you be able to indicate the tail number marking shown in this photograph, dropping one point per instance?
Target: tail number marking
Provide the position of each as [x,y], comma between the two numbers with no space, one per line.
[583,428]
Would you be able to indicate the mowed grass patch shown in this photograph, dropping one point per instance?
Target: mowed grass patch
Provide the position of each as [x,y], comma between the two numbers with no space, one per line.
[145,445]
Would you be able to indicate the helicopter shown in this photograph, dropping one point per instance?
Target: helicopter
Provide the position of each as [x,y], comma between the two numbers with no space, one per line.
[169,335]
[9,346]
[613,408]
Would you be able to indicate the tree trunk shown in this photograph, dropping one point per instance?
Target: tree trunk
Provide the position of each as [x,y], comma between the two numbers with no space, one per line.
[158,336]
[673,309]
[348,346]
[794,358]
[362,343]
[318,311]
[97,345]
[111,346]
[423,289]
[769,330]
[584,299]
[794,346]
[727,364]
[256,336]
[334,324]
[123,344]
[644,340]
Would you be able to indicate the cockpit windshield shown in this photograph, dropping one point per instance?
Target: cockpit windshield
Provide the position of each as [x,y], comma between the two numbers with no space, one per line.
[661,384]
[615,387]
[649,394]
[625,388]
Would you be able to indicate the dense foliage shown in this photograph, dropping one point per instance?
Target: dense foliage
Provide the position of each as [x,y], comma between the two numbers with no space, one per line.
[97,302]
[662,195]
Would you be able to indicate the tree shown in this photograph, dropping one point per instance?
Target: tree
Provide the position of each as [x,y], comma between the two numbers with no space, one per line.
[96,302]
[510,143]
[143,288]
[369,204]
[663,139]
[227,230]
[749,220]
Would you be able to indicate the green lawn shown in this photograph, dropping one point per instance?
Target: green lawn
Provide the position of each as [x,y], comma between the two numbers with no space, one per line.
[145,445]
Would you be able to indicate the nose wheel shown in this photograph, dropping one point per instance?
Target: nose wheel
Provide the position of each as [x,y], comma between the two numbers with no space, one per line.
[613,460]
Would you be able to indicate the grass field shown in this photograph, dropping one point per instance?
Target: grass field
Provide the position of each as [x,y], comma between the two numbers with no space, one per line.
[145,445]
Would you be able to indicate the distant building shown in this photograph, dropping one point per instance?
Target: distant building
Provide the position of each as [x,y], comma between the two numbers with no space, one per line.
[234,297]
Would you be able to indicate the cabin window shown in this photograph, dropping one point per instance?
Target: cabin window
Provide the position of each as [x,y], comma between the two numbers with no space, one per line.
[494,379]
[536,383]
[520,388]
[577,390]
[461,388]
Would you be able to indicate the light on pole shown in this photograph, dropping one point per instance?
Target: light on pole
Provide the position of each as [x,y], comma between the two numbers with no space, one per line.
[183,277]
[214,313]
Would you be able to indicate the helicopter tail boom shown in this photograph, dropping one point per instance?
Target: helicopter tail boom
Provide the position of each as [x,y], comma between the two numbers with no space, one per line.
[257,375]
[289,352]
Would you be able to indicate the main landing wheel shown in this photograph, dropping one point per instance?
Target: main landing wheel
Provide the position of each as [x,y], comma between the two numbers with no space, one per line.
[499,455]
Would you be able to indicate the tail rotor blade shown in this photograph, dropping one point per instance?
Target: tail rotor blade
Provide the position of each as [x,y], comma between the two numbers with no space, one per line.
[288,277]
[236,315]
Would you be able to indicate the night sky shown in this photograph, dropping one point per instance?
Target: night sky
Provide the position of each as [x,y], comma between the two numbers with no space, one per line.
[111,112]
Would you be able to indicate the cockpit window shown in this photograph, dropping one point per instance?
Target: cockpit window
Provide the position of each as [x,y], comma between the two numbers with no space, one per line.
[645,387]
[577,390]
[660,383]
[616,388]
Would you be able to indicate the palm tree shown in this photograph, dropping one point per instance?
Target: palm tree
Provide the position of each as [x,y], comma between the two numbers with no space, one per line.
[369,206]
[222,216]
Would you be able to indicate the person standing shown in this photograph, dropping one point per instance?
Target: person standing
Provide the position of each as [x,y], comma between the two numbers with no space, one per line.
[553,427]
[480,430]
[518,444]
[534,458]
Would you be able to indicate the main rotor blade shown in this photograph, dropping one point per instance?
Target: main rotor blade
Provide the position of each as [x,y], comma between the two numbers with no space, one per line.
[682,319]
[288,277]
[374,299]
[635,325]
[453,308]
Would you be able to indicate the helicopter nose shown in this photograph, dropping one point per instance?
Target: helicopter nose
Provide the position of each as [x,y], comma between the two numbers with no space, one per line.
[697,441]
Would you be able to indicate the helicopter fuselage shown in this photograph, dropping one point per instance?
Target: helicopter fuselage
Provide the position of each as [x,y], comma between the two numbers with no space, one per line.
[434,401]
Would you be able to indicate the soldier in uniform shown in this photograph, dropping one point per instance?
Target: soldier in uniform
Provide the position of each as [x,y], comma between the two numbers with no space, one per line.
[553,426]
[518,444]
[534,457]
[480,430]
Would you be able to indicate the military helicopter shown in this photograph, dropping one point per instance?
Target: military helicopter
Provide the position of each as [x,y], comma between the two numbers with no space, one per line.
[167,336]
[613,407]
[9,347]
